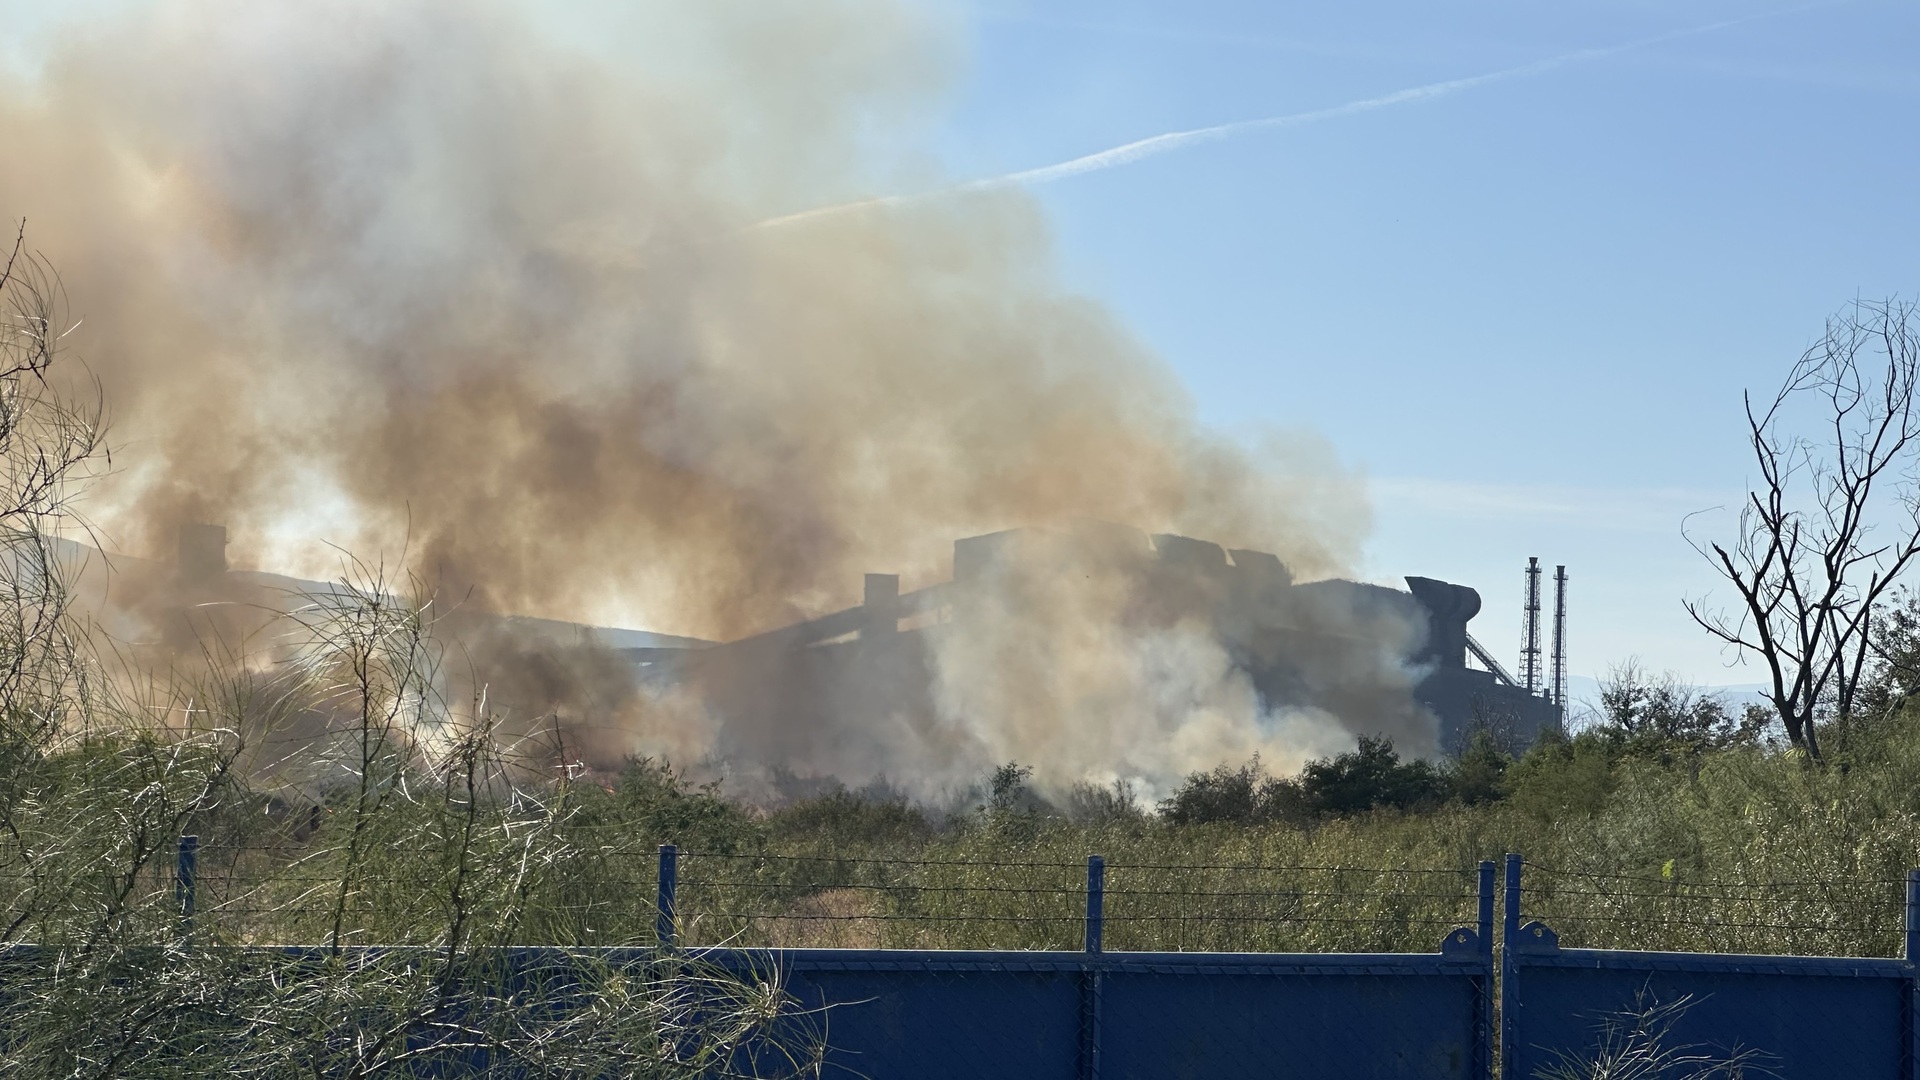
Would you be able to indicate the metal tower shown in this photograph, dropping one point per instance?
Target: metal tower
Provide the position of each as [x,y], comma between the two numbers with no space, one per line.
[1560,642]
[1530,631]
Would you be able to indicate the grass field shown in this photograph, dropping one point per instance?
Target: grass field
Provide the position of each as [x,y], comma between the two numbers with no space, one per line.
[1738,849]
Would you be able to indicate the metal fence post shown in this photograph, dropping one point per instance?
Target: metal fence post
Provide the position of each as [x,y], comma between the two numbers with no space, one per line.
[1483,1022]
[1486,907]
[1912,952]
[1511,927]
[1096,900]
[1913,916]
[186,870]
[663,921]
[1509,933]
[1090,971]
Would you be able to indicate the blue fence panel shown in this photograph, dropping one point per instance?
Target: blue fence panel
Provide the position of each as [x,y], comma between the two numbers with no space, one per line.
[1806,1017]
[887,1014]
[934,1014]
[1799,1016]
[1226,1015]
[1013,1015]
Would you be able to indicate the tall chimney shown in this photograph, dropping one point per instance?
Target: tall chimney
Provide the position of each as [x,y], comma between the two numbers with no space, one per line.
[1560,643]
[203,552]
[1530,631]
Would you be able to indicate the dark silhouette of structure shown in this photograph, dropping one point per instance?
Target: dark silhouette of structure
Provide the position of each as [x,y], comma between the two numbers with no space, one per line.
[1560,643]
[1352,649]
[1530,631]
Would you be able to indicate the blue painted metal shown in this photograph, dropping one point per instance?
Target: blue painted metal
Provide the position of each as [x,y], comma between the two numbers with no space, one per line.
[1912,952]
[1092,989]
[185,874]
[939,1015]
[1486,907]
[1096,898]
[1809,1016]
[663,919]
[1483,1012]
[1509,932]
[1511,895]
[1812,1017]
[1911,1036]
[1098,1015]
[947,1015]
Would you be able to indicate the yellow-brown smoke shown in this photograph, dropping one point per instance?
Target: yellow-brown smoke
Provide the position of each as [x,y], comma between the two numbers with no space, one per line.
[413,271]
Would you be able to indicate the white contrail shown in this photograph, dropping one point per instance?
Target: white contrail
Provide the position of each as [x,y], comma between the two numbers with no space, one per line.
[1129,153]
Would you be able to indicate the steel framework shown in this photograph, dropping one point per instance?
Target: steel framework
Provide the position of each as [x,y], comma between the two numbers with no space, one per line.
[1560,642]
[1530,631]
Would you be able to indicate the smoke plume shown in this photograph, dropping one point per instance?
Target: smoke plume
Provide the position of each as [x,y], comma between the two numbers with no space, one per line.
[419,275]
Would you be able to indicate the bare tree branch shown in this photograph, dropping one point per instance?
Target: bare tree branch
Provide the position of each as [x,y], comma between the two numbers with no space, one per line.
[1832,523]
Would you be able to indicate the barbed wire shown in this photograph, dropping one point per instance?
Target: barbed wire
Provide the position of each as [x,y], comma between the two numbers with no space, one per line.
[1715,882]
[275,888]
[789,916]
[1785,895]
[869,887]
[1719,924]
[1112,891]
[1278,868]
[870,861]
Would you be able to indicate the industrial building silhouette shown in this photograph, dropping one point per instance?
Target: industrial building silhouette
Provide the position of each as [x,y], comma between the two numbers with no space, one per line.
[1300,644]
[1354,650]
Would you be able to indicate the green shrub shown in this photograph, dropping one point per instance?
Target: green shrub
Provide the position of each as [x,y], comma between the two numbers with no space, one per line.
[1370,777]
[1480,773]
[1559,777]
[843,818]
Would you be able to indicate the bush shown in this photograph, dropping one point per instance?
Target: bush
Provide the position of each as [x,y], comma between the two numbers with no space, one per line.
[653,803]
[1369,777]
[1225,794]
[1088,804]
[1480,774]
[843,818]
[1560,776]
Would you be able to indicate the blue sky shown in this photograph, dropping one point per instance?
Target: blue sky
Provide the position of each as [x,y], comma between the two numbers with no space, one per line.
[1526,309]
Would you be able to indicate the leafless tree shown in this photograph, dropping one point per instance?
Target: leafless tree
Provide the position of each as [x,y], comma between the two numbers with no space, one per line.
[51,444]
[1833,520]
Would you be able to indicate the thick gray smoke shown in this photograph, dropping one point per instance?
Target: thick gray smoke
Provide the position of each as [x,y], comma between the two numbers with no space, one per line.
[415,275]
